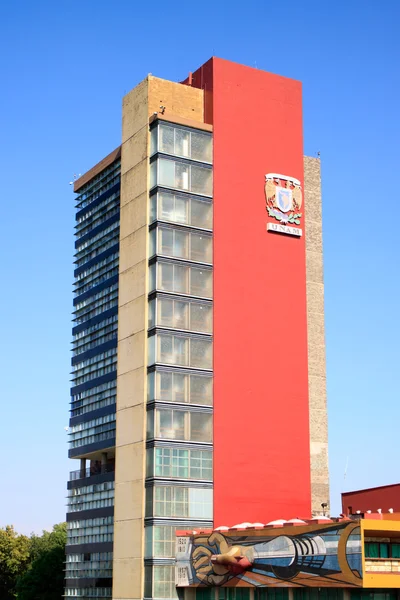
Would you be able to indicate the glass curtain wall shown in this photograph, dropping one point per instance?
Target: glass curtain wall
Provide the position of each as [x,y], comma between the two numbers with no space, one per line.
[180,383]
[91,431]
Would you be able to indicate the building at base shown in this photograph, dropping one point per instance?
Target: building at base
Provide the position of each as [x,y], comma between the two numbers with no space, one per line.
[381,499]
[319,558]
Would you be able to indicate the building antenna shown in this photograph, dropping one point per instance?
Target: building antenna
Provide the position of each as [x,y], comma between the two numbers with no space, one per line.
[345,470]
[74,179]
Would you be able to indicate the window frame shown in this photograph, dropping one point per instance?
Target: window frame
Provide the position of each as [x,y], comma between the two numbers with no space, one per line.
[155,146]
[157,197]
[188,503]
[379,544]
[163,463]
[158,247]
[155,353]
[182,314]
[179,163]
[176,414]
[171,395]
[156,276]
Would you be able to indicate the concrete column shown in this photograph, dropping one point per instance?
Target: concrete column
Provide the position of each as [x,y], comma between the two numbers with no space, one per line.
[316,336]
[83,468]
[140,104]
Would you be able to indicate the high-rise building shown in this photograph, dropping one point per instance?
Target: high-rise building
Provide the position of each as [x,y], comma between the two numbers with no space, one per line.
[198,395]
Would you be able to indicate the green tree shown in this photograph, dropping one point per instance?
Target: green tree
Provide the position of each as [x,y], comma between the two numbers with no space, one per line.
[14,559]
[44,578]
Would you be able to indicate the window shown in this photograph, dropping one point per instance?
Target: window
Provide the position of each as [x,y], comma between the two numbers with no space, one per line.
[172,349]
[205,594]
[201,180]
[89,432]
[93,398]
[376,550]
[233,594]
[200,353]
[171,501]
[160,582]
[98,592]
[178,243]
[200,427]
[182,464]
[395,550]
[92,496]
[170,424]
[181,176]
[160,541]
[93,565]
[375,594]
[170,386]
[181,209]
[90,531]
[180,425]
[200,503]
[180,314]
[98,185]
[317,594]
[181,351]
[171,462]
[173,313]
[177,501]
[181,279]
[179,141]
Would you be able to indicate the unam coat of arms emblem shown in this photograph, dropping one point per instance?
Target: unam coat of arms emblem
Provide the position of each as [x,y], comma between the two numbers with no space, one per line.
[284,198]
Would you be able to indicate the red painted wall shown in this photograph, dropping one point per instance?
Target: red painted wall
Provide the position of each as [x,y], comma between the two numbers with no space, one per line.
[384,497]
[261,429]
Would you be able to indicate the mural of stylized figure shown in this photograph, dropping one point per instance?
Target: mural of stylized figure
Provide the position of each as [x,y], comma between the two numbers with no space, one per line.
[215,561]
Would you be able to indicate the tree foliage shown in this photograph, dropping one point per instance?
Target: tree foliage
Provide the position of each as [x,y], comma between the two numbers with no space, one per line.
[32,568]
[14,560]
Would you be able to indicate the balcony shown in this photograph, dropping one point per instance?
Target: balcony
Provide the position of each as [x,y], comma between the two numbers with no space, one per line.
[94,469]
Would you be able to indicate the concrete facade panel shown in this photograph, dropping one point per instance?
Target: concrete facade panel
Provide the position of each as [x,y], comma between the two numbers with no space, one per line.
[131,354]
[130,509]
[131,317]
[135,151]
[131,388]
[131,461]
[315,267]
[128,578]
[133,250]
[317,389]
[134,179]
[316,336]
[180,100]
[315,297]
[316,361]
[132,282]
[133,214]
[130,425]
[134,110]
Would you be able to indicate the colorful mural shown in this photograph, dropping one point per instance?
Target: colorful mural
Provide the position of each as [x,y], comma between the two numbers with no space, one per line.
[327,555]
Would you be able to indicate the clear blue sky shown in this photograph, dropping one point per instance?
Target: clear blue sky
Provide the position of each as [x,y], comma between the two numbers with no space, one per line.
[64,69]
